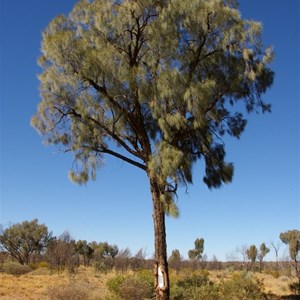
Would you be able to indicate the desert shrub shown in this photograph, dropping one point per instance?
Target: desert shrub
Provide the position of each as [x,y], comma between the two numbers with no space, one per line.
[40,265]
[274,273]
[147,276]
[295,288]
[194,280]
[137,287]
[73,290]
[189,287]
[114,284]
[15,268]
[242,286]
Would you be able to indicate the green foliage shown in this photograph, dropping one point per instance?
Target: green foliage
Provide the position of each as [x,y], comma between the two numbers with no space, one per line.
[292,238]
[194,280]
[114,283]
[22,240]
[39,265]
[241,286]
[15,268]
[131,287]
[85,250]
[196,253]
[252,253]
[187,287]
[175,259]
[158,79]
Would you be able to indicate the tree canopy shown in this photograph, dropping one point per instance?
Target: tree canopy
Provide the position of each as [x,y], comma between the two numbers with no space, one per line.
[292,238]
[22,240]
[156,84]
[153,83]
[196,253]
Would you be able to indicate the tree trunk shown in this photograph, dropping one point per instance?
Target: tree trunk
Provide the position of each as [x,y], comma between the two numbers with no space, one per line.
[161,272]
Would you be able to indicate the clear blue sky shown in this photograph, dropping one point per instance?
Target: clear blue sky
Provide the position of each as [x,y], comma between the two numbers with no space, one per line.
[262,201]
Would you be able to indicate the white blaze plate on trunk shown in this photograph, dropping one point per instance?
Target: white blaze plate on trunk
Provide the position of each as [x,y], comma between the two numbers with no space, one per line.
[160,278]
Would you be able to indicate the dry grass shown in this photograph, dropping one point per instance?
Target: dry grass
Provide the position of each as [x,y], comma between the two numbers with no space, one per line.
[276,286]
[39,284]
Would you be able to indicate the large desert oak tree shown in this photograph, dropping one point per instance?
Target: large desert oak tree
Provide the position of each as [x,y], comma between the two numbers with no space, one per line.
[154,83]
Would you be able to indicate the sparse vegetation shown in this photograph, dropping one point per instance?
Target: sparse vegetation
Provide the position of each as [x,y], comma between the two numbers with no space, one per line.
[74,291]
[15,268]
[68,269]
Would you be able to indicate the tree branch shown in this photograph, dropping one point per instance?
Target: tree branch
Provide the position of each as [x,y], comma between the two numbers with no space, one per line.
[116,154]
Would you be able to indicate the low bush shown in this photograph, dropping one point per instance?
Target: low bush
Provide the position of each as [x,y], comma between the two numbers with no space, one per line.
[15,268]
[274,273]
[295,288]
[241,286]
[73,290]
[138,287]
[192,287]
[115,283]
[40,265]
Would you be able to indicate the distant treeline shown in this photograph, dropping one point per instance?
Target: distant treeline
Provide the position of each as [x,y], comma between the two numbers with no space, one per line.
[30,243]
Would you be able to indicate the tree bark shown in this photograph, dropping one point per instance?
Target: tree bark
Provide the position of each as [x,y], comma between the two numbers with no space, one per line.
[161,271]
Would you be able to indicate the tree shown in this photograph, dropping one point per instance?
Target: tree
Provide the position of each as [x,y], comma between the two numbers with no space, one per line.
[175,260]
[22,240]
[264,250]
[84,249]
[159,80]
[276,248]
[61,253]
[252,254]
[196,253]
[103,255]
[292,238]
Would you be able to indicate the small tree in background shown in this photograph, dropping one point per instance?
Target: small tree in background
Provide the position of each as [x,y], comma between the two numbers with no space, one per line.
[175,260]
[103,255]
[85,250]
[264,250]
[252,254]
[292,238]
[195,255]
[61,253]
[276,247]
[23,240]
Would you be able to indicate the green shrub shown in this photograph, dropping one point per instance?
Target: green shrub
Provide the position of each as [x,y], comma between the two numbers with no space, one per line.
[114,284]
[15,268]
[189,286]
[43,264]
[242,286]
[40,265]
[137,287]
[195,280]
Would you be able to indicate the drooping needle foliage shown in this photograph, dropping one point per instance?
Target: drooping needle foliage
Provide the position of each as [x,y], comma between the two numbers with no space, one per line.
[157,79]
